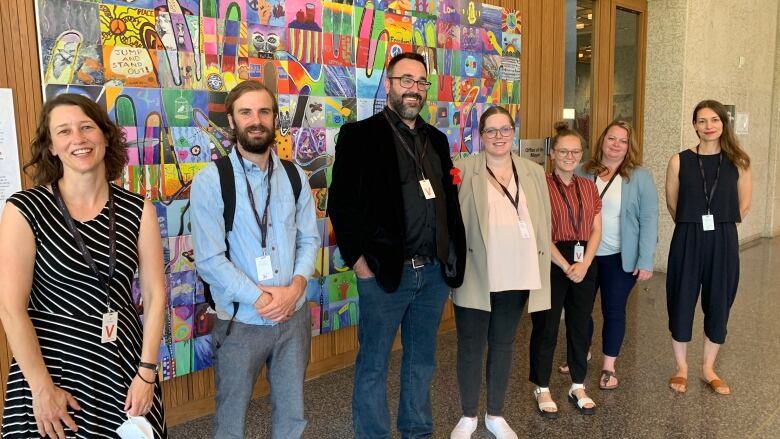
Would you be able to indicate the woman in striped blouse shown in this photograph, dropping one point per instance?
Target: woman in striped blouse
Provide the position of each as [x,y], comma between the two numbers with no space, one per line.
[69,249]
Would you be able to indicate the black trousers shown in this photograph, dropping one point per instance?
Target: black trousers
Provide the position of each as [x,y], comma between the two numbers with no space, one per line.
[494,330]
[706,262]
[577,299]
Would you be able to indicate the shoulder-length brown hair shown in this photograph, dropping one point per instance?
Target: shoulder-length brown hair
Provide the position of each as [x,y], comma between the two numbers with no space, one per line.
[44,168]
[632,160]
[728,140]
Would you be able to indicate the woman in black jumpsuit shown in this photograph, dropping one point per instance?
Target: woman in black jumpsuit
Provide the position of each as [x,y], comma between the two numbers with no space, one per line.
[708,192]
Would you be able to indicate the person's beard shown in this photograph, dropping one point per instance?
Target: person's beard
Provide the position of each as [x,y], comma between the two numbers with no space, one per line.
[257,145]
[406,112]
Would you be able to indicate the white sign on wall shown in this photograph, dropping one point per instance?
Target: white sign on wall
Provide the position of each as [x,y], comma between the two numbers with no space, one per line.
[10,177]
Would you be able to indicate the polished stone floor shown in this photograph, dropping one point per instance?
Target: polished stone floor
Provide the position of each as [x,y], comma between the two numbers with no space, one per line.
[643,406]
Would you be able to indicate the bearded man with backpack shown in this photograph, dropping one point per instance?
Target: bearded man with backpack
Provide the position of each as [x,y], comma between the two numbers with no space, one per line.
[255,239]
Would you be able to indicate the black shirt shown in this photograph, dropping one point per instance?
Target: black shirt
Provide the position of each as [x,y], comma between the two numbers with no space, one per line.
[691,203]
[419,213]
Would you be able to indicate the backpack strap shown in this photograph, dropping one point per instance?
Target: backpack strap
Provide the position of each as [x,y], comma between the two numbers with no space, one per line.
[292,175]
[227,186]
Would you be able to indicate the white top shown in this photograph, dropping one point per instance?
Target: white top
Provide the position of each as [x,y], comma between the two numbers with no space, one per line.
[512,259]
[610,216]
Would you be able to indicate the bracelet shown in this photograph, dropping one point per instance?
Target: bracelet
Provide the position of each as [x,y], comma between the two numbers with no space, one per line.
[138,374]
[151,366]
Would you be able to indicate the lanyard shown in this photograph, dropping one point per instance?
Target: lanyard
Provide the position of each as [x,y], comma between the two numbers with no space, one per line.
[105,282]
[415,158]
[262,223]
[609,183]
[516,200]
[569,209]
[708,195]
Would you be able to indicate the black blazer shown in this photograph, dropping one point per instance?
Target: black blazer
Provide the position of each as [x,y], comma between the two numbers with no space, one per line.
[365,203]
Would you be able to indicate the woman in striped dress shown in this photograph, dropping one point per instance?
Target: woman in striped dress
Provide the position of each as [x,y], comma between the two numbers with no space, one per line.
[69,249]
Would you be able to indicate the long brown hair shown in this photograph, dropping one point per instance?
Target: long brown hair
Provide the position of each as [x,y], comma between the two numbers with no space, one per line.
[45,168]
[728,141]
[632,160]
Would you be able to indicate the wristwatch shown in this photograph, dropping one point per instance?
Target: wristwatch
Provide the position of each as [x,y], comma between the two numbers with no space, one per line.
[152,366]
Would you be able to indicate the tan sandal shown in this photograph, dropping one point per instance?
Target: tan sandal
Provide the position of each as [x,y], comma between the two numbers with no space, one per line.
[718,386]
[605,377]
[680,381]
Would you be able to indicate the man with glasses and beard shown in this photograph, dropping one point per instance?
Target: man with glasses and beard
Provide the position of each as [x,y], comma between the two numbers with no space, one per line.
[258,272]
[394,207]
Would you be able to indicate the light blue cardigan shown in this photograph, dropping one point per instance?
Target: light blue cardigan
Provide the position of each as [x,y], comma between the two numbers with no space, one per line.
[638,219]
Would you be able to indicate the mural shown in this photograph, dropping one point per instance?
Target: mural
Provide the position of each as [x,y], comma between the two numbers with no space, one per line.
[162,69]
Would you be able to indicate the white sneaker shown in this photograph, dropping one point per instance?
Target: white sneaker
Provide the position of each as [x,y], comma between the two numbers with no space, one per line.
[465,428]
[499,428]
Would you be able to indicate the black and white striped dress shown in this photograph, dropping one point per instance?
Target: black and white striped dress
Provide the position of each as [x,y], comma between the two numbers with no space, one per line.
[66,307]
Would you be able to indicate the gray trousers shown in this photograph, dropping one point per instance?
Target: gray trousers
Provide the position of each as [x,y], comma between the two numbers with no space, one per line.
[238,359]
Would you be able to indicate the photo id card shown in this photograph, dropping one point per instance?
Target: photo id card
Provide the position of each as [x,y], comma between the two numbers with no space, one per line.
[708,222]
[579,253]
[524,232]
[264,269]
[427,189]
[109,327]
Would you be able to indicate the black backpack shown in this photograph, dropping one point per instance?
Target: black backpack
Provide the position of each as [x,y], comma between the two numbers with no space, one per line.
[228,188]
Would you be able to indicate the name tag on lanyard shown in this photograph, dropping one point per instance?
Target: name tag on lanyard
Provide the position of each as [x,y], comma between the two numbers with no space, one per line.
[525,233]
[109,327]
[579,253]
[708,222]
[264,268]
[427,189]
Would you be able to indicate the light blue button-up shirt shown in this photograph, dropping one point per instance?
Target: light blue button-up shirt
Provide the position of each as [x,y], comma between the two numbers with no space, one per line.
[292,239]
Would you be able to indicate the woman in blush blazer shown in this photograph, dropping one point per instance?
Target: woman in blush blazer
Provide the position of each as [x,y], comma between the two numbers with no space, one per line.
[506,212]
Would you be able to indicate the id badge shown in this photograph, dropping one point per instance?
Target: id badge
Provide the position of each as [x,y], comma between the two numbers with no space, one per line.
[264,269]
[708,222]
[109,328]
[427,189]
[524,232]
[579,253]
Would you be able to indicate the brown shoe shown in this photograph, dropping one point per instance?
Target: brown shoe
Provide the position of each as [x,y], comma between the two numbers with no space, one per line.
[718,386]
[606,375]
[680,381]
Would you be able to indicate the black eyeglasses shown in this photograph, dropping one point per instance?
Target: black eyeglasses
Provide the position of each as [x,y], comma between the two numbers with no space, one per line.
[407,82]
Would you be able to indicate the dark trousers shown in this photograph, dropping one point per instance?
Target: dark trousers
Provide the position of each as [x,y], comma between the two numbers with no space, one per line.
[615,286]
[416,307]
[706,262]
[494,330]
[577,300]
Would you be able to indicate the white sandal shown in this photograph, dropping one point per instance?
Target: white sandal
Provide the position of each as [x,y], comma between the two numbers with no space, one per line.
[580,403]
[541,406]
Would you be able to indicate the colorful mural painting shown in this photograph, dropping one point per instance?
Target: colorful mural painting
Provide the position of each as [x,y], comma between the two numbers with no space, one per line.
[162,69]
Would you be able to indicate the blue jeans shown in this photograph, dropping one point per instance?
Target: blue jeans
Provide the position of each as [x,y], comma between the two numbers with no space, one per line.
[615,286]
[238,359]
[416,306]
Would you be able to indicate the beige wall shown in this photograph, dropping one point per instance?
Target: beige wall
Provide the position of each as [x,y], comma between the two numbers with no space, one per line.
[693,53]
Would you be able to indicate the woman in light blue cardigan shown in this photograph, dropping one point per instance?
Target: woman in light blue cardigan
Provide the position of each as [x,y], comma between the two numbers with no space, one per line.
[629,232]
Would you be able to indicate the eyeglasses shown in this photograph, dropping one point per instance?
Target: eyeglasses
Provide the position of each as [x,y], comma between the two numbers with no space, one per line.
[492,133]
[407,82]
[562,153]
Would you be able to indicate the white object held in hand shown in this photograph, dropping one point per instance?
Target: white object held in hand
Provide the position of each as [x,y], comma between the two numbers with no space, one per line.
[136,427]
